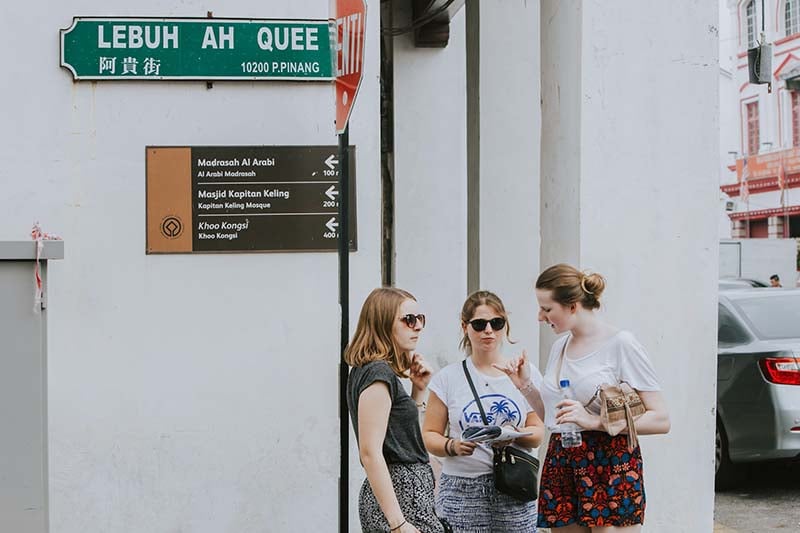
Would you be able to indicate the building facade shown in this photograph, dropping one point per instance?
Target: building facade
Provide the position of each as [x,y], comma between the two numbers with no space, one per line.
[762,178]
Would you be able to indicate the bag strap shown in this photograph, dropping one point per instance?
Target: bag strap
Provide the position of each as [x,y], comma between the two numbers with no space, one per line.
[474,392]
[560,363]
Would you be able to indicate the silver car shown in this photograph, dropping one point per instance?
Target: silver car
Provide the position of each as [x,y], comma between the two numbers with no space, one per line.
[758,379]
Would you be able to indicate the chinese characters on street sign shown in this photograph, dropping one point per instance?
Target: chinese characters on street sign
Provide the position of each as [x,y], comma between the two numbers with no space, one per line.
[197,49]
[244,199]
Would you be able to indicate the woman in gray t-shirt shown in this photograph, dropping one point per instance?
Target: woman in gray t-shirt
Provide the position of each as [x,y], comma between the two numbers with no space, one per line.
[397,495]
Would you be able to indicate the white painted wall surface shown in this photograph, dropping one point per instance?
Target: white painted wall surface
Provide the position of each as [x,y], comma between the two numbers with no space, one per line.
[647,194]
[510,133]
[191,393]
[431,183]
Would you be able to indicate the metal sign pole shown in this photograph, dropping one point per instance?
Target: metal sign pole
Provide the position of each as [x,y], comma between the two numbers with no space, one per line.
[344,302]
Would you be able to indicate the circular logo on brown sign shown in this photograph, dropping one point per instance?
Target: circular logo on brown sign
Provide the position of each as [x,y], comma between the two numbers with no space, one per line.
[171,227]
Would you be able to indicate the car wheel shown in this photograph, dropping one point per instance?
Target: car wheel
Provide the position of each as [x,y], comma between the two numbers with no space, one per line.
[726,475]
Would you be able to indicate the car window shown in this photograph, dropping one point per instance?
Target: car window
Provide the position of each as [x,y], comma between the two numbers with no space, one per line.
[774,317]
[729,329]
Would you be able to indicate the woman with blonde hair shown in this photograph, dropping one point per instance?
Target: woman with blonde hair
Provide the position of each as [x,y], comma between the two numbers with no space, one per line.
[397,495]
[468,498]
[596,485]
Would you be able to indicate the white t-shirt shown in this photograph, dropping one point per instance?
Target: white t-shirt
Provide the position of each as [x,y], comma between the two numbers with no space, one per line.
[620,358]
[501,401]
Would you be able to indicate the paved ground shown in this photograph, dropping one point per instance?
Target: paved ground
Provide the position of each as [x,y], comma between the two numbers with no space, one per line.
[768,500]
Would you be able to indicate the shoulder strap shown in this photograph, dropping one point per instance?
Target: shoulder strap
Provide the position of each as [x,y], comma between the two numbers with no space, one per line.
[561,362]
[474,392]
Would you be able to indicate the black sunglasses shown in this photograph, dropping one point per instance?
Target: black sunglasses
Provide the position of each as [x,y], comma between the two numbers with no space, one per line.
[479,324]
[411,320]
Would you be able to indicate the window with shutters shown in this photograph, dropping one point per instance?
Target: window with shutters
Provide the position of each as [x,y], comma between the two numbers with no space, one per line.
[750,23]
[791,10]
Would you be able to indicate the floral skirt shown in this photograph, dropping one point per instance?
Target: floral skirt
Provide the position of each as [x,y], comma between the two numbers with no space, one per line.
[596,484]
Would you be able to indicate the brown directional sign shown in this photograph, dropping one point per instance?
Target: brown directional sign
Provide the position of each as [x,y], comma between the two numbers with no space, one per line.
[245,199]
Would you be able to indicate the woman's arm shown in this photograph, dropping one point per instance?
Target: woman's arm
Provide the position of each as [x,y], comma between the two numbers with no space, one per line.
[433,431]
[534,424]
[655,421]
[374,405]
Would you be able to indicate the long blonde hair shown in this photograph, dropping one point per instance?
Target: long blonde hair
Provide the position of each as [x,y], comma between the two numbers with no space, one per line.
[374,338]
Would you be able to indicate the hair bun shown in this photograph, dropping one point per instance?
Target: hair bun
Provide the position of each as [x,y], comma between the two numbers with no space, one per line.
[593,284]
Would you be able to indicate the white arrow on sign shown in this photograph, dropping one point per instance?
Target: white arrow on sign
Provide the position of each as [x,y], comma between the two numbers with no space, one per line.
[332,193]
[332,224]
[331,161]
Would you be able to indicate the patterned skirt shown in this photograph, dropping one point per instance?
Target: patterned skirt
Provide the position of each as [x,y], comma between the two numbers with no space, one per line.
[597,484]
[413,486]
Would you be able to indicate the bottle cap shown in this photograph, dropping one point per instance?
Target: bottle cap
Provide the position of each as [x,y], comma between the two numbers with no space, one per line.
[564,383]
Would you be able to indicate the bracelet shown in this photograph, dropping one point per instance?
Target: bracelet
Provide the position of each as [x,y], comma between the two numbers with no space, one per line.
[527,388]
[399,526]
[422,405]
[447,447]
[453,452]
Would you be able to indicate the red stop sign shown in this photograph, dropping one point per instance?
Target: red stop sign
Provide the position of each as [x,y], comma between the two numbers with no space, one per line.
[351,18]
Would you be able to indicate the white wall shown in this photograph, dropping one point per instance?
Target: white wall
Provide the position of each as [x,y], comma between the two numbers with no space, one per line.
[187,393]
[430,183]
[648,141]
[510,140]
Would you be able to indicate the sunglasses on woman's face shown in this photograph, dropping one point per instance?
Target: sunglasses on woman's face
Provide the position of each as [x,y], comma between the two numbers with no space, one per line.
[411,320]
[479,324]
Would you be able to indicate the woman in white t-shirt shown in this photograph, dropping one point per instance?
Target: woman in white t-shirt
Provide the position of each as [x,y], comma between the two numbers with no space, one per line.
[597,485]
[467,497]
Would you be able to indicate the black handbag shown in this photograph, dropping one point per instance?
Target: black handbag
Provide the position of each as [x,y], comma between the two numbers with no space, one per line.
[515,472]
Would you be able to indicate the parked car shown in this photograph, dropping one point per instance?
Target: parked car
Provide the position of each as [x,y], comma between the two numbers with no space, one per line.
[740,283]
[758,379]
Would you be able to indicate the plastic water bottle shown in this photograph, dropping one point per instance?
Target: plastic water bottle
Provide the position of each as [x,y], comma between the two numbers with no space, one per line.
[570,433]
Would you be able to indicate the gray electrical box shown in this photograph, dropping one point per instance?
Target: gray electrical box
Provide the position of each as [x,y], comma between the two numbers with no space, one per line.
[23,387]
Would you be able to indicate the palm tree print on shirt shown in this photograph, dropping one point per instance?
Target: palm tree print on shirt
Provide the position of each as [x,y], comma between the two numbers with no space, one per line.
[500,410]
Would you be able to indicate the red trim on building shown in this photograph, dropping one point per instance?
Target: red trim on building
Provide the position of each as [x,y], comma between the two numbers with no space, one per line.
[766,213]
[787,50]
[744,85]
[786,40]
[743,55]
[760,185]
[783,64]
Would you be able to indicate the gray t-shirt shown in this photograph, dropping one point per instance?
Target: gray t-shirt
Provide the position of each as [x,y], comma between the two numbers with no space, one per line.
[403,441]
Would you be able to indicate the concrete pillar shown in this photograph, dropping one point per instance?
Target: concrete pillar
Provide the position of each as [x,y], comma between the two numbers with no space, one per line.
[621,81]
[503,139]
[775,227]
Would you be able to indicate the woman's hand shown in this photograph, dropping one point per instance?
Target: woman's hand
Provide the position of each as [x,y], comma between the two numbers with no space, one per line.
[517,370]
[464,447]
[572,411]
[419,373]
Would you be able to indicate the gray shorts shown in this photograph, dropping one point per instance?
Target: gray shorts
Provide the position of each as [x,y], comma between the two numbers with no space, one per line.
[473,505]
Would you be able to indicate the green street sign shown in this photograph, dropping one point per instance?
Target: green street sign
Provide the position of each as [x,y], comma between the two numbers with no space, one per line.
[96,48]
